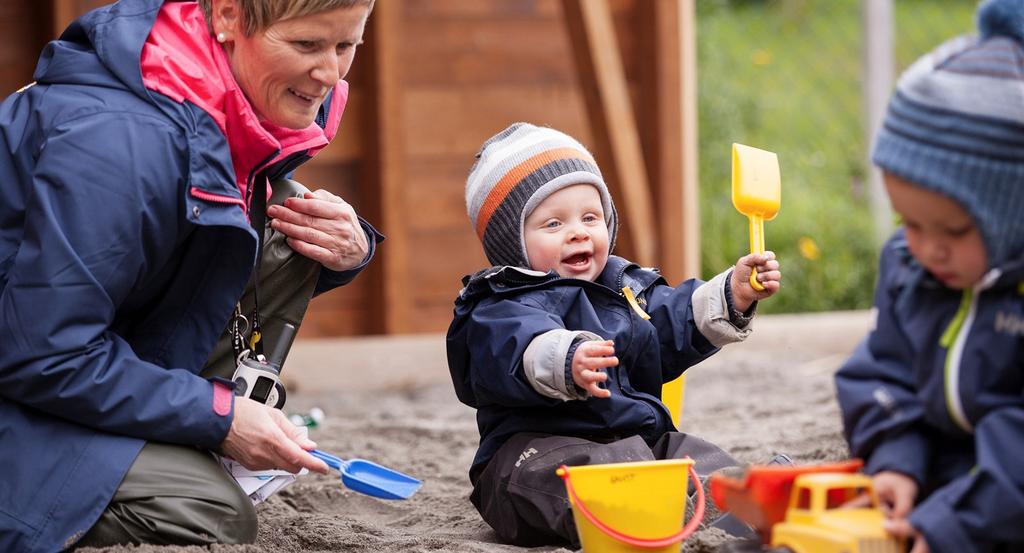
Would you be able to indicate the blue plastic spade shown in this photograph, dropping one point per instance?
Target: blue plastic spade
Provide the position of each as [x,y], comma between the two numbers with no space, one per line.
[369,478]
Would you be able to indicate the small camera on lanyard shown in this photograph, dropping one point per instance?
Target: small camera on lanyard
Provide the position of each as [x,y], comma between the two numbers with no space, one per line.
[259,379]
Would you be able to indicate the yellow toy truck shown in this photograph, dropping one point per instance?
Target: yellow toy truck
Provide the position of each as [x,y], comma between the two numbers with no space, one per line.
[805,509]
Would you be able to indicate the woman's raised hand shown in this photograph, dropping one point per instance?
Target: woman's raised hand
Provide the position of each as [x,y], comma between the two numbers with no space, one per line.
[322,227]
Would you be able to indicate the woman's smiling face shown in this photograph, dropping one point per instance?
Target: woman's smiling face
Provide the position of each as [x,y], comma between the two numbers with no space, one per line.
[287,68]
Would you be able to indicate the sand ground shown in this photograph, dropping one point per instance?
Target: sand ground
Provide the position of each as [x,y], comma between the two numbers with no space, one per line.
[390,400]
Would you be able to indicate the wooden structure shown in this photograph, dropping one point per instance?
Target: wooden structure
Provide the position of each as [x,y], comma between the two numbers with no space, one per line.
[434,79]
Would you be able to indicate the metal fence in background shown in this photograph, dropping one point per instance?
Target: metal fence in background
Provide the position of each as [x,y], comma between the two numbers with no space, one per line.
[789,76]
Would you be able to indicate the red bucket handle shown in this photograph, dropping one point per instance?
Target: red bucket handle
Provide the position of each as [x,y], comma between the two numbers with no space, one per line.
[689,528]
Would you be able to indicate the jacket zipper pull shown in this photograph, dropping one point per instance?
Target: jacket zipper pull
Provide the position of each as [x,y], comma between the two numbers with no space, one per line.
[631,300]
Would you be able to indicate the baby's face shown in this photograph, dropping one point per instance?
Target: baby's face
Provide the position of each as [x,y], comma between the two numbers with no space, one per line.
[567,233]
[941,235]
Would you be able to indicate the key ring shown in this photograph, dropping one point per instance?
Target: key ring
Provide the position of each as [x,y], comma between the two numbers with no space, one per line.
[244,323]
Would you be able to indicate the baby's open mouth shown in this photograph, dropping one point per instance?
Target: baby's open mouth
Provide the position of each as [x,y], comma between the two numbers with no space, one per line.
[577,259]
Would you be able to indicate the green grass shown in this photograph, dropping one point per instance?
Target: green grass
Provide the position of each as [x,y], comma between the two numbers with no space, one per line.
[785,76]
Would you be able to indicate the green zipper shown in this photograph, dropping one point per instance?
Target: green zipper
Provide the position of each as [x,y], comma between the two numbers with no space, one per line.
[958,321]
[947,341]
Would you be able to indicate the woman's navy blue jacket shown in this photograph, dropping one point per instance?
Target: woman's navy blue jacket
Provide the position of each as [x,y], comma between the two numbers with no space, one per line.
[501,310]
[936,392]
[123,249]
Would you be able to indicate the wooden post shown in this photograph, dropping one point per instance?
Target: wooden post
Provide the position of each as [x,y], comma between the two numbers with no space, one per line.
[64,12]
[613,124]
[390,302]
[687,22]
[669,114]
[24,28]
[878,82]
[667,57]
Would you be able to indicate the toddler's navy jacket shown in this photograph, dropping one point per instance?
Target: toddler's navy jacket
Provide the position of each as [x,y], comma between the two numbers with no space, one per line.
[936,392]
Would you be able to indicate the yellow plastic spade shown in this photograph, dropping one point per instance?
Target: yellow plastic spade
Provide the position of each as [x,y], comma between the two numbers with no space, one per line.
[756,193]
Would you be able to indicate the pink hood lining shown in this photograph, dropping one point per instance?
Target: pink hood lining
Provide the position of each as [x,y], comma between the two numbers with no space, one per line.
[182,61]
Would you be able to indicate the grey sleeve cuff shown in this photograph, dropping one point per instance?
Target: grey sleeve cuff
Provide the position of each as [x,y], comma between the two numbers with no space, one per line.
[711,313]
[738,319]
[544,363]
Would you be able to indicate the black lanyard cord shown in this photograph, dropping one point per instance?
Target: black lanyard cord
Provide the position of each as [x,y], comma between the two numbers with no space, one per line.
[258,220]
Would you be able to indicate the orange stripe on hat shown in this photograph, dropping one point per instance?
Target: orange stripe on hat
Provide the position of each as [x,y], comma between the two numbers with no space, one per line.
[504,186]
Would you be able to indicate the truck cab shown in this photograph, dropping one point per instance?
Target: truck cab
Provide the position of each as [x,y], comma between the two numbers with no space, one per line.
[818,519]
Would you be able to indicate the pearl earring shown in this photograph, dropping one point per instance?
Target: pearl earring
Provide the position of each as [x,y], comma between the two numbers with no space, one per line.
[221,38]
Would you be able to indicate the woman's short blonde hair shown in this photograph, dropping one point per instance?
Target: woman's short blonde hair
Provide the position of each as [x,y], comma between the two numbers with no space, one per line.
[260,14]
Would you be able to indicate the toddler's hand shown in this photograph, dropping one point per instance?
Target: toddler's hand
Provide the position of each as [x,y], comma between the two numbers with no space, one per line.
[896,495]
[588,364]
[768,274]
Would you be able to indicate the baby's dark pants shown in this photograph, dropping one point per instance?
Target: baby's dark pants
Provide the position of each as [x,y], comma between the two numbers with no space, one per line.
[519,495]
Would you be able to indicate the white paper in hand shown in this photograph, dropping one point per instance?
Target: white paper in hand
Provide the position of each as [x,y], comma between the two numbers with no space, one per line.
[258,484]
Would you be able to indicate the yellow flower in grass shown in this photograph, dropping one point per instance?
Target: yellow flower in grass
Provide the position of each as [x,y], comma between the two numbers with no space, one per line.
[808,248]
[762,57]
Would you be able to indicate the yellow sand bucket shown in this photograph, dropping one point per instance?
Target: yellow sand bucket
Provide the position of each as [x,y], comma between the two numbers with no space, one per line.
[629,507]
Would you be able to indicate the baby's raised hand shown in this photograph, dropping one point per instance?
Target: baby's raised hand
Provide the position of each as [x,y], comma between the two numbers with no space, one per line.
[768,274]
[588,364]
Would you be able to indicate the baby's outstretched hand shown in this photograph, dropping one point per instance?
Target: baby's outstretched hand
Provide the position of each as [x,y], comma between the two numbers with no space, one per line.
[588,364]
[768,274]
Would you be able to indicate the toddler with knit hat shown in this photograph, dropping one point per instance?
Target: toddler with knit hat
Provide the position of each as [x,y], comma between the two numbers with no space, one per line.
[933,398]
[564,364]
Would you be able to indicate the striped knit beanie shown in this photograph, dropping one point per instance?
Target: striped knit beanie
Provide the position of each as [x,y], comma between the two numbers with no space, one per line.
[514,171]
[955,125]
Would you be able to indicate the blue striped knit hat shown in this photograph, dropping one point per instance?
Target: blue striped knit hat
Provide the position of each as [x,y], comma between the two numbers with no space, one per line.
[513,173]
[955,125]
